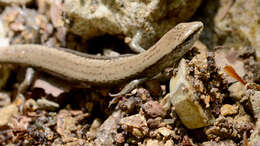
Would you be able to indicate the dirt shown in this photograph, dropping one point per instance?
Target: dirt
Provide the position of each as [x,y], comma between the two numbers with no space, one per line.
[48,115]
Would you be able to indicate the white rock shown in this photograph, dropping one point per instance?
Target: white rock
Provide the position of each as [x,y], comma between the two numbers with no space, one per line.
[183,99]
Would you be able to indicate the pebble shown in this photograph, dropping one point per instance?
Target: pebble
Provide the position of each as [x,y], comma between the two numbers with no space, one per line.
[47,104]
[136,124]
[153,109]
[6,113]
[227,110]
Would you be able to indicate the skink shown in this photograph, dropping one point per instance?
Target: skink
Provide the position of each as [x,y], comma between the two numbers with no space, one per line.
[107,71]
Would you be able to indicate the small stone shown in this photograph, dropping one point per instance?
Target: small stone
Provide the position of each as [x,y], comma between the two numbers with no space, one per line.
[137,133]
[154,123]
[229,127]
[227,110]
[110,53]
[152,142]
[168,121]
[169,143]
[243,120]
[67,124]
[94,126]
[153,109]
[142,93]
[19,123]
[14,2]
[119,138]
[47,104]
[237,91]
[129,105]
[254,98]
[6,113]
[136,124]
[54,87]
[30,105]
[165,131]
[183,97]
[106,133]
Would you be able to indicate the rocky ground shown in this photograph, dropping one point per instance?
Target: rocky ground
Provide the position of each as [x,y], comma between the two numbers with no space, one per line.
[211,98]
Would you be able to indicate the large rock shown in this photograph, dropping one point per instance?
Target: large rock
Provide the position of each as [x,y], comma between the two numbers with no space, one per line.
[126,18]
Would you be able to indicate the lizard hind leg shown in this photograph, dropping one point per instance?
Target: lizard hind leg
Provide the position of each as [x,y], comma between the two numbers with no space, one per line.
[129,87]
